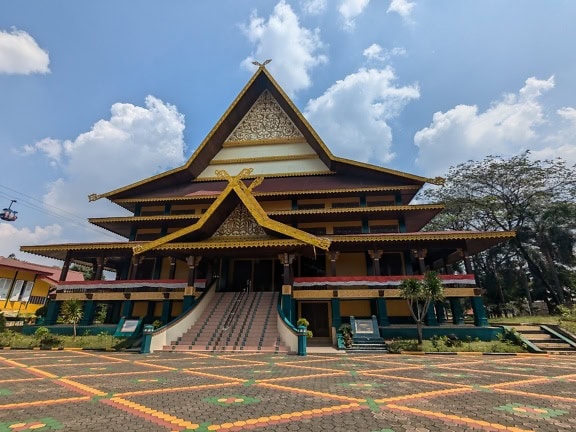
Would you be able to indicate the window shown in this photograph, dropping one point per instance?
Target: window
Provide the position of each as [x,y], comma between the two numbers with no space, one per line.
[348,230]
[4,288]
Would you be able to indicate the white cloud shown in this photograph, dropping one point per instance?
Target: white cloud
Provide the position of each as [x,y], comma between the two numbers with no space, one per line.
[12,237]
[376,53]
[401,7]
[135,143]
[562,142]
[350,10]
[512,124]
[20,54]
[313,7]
[293,48]
[351,116]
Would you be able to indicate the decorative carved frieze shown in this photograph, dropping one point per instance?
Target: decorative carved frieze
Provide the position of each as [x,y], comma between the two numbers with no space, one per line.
[265,120]
[240,223]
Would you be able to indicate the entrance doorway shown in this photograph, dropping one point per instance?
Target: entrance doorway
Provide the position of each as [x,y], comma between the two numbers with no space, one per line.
[318,315]
[260,274]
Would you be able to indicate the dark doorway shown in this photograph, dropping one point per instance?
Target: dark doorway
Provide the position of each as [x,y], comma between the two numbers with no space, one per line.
[317,314]
[241,275]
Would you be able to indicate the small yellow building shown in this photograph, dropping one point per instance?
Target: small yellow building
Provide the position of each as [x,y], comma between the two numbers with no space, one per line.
[24,286]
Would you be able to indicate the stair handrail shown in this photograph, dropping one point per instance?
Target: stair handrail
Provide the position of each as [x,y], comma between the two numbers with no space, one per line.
[232,313]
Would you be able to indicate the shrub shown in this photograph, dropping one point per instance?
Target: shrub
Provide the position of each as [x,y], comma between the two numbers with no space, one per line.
[46,339]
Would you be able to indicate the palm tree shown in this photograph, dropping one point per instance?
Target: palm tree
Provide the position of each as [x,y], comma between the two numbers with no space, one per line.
[71,312]
[420,294]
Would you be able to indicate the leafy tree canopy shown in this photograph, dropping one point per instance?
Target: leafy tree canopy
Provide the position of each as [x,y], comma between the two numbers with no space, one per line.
[535,198]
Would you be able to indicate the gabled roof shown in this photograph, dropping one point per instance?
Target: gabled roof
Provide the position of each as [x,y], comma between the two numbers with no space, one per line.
[50,274]
[260,83]
[209,220]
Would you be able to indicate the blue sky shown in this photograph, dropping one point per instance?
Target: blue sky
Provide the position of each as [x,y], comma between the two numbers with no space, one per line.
[95,95]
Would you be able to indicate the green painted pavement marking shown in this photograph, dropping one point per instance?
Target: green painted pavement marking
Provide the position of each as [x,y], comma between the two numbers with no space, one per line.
[374,407]
[531,411]
[42,424]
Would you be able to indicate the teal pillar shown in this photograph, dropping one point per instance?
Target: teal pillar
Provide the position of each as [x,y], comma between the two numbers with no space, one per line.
[146,339]
[88,314]
[440,312]
[431,316]
[166,311]
[480,318]
[287,306]
[336,318]
[127,308]
[188,303]
[302,334]
[382,312]
[52,312]
[457,311]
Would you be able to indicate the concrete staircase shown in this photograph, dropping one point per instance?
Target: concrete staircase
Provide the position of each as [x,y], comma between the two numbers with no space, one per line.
[234,322]
[545,339]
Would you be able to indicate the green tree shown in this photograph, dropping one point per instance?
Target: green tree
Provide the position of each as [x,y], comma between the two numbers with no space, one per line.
[535,198]
[71,312]
[419,295]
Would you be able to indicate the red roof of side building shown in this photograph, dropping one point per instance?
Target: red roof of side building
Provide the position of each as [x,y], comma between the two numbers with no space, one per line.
[50,274]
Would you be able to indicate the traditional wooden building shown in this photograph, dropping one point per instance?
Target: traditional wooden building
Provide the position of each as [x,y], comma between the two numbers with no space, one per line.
[24,286]
[262,206]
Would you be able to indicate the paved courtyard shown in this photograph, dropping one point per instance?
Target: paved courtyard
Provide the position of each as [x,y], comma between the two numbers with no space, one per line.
[100,391]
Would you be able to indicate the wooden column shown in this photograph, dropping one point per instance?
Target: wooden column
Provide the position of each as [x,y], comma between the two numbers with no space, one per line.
[99,268]
[333,256]
[376,255]
[286,260]
[421,260]
[172,272]
[467,262]
[65,267]
[192,262]
[134,267]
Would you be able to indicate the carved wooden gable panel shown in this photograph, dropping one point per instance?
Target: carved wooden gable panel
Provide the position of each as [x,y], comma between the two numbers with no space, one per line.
[240,223]
[265,120]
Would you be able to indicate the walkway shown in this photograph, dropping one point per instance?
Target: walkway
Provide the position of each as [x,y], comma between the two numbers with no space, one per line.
[99,391]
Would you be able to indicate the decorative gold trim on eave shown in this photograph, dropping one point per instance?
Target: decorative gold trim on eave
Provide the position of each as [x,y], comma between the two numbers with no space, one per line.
[247,143]
[143,218]
[277,175]
[423,236]
[267,194]
[79,247]
[249,161]
[232,244]
[358,209]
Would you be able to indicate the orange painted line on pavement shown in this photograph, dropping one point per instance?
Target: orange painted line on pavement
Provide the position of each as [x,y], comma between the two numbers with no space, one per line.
[536,395]
[424,395]
[141,363]
[109,374]
[311,392]
[266,380]
[44,402]
[286,417]
[176,389]
[448,418]
[194,372]
[158,417]
[397,377]
[81,387]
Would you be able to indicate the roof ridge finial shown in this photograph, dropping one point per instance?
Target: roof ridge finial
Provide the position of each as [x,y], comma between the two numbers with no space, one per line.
[261,65]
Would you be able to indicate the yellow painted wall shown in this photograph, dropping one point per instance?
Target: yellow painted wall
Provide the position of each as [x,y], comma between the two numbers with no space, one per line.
[351,264]
[357,308]
[397,308]
[40,288]
[157,309]
[176,308]
[140,309]
[276,205]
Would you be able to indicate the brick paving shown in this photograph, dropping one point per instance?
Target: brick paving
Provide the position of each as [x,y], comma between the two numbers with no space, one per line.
[103,391]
